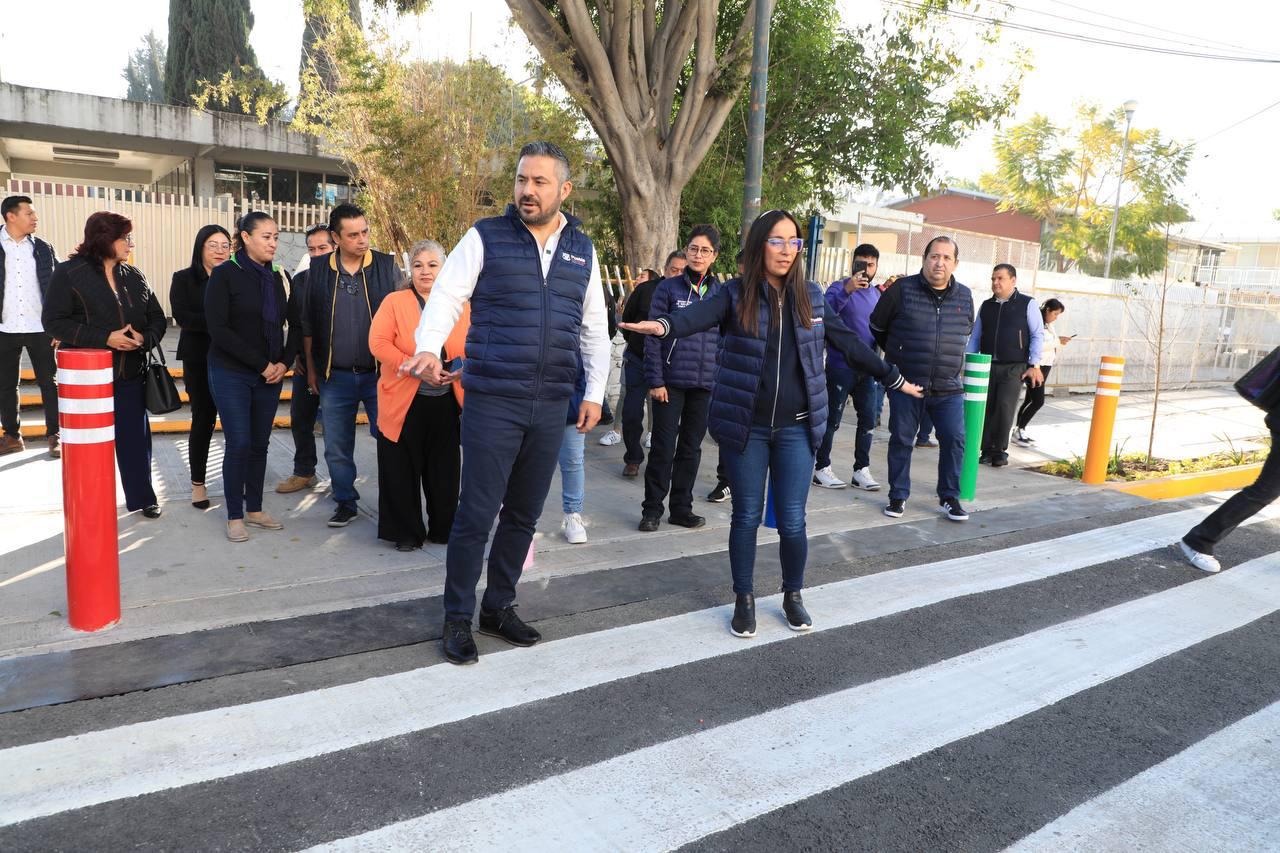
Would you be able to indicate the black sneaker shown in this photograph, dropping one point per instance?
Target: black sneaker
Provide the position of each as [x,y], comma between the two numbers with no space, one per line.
[506,625]
[650,523]
[459,646]
[690,520]
[719,494]
[984,459]
[342,516]
[896,508]
[744,616]
[793,607]
[999,461]
[951,506]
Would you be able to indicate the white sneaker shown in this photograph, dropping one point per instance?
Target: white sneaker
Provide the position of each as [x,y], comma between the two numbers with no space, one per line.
[1021,438]
[610,438]
[863,480]
[826,478]
[575,532]
[648,440]
[1203,562]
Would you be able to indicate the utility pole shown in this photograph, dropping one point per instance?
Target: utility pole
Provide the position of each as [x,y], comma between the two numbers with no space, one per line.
[755,124]
[1130,107]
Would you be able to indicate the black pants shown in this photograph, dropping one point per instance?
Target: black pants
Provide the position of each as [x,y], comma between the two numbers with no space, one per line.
[303,407]
[1002,402]
[425,462]
[1034,400]
[633,402]
[204,413]
[1241,506]
[679,425]
[39,347]
[133,444]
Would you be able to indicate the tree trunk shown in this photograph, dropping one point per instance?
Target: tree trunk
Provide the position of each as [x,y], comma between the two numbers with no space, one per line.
[650,220]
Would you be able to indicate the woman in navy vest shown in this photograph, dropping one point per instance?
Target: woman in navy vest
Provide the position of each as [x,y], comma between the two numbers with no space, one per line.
[769,406]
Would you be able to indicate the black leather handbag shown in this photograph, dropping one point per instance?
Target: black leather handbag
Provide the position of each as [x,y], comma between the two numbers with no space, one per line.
[160,389]
[1261,385]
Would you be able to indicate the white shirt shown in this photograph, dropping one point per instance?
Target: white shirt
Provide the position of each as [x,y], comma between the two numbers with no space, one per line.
[457,281]
[1052,347]
[22,303]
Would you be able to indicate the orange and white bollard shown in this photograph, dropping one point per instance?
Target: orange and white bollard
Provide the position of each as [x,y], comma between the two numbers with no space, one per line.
[86,413]
[1105,401]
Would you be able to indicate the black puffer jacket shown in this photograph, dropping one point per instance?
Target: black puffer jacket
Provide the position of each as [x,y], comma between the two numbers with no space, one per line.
[925,332]
[81,311]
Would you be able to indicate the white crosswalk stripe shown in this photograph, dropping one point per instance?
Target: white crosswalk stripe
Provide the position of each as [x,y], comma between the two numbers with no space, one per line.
[675,789]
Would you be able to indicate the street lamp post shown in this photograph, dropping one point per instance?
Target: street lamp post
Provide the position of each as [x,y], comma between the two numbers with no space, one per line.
[1130,107]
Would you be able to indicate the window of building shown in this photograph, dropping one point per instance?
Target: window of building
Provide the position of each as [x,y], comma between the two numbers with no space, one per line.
[310,188]
[228,178]
[257,183]
[284,186]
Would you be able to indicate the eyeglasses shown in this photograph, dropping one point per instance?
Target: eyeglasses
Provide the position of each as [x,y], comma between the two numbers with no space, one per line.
[218,247]
[128,238]
[699,251]
[778,242]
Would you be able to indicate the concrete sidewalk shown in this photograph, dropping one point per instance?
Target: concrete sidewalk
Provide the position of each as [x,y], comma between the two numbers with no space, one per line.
[179,574]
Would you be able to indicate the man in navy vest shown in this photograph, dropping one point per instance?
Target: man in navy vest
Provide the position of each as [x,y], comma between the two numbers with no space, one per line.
[1010,329]
[923,324]
[533,281]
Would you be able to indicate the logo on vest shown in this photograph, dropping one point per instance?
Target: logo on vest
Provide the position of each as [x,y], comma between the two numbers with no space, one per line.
[573,259]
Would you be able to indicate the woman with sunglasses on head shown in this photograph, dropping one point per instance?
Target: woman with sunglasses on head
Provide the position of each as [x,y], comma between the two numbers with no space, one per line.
[769,406]
[246,304]
[186,300]
[96,300]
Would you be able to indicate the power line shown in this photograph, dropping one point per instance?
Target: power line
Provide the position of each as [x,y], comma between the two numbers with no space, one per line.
[1079,37]
[1151,26]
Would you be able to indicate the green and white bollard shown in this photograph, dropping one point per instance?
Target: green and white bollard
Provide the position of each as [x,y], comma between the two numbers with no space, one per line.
[977,375]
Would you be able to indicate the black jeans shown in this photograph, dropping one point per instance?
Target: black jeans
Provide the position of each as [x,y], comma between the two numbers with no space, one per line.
[426,461]
[133,443]
[1002,402]
[39,347]
[1241,506]
[303,407]
[1034,400]
[204,413]
[679,425]
[633,402]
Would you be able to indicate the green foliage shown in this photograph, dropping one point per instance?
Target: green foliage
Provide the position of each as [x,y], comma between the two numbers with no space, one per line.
[144,72]
[431,143]
[1066,175]
[209,59]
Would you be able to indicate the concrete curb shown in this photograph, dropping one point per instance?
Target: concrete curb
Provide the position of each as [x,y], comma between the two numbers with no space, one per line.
[1186,485]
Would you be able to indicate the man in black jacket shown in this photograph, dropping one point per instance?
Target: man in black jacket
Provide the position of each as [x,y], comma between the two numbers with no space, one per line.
[303,403]
[923,323]
[344,290]
[26,266]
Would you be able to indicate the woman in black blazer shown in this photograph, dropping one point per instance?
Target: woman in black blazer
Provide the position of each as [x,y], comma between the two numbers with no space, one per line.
[186,300]
[97,301]
[246,307]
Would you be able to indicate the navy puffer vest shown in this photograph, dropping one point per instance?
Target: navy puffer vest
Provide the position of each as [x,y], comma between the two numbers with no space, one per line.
[524,334]
[688,362]
[1006,334]
[738,380]
[928,338]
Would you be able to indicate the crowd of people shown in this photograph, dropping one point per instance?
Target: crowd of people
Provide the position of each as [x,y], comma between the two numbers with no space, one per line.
[483,369]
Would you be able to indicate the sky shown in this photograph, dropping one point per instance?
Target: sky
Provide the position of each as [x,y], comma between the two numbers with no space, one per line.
[1232,188]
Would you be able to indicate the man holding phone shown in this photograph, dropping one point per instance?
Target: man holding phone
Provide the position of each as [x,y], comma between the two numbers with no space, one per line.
[853,298]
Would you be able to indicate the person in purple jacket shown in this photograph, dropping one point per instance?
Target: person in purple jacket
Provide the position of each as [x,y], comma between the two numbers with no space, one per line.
[853,299]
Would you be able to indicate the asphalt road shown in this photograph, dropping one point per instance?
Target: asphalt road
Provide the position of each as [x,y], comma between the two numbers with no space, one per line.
[1063,684]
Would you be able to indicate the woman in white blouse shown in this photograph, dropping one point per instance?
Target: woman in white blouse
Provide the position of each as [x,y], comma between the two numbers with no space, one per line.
[1053,342]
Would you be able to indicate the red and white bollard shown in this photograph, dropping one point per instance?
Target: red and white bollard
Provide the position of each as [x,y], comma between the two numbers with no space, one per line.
[86,417]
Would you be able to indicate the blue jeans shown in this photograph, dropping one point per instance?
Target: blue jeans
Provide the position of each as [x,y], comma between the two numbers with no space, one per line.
[340,396]
[247,406]
[905,414]
[786,456]
[573,480]
[509,451]
[843,383]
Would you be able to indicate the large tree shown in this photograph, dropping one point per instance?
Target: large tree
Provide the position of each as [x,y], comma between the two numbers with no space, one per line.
[1066,175]
[656,79]
[144,73]
[208,43]
[316,14]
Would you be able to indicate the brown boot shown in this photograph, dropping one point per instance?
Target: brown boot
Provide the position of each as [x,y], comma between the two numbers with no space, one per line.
[55,447]
[294,483]
[11,444]
[631,469]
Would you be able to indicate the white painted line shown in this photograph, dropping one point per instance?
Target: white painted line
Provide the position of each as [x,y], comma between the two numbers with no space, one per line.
[86,769]
[1221,794]
[92,376]
[92,435]
[670,794]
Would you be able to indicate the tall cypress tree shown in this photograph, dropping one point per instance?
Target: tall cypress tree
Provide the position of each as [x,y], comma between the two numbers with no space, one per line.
[207,38]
